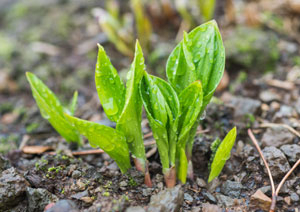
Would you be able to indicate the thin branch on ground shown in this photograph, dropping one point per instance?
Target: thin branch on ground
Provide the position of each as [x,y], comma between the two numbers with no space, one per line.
[274,192]
[280,125]
[253,139]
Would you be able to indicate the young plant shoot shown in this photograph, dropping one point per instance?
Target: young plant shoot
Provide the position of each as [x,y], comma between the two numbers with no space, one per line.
[199,56]
[123,106]
[194,70]
[221,153]
[52,110]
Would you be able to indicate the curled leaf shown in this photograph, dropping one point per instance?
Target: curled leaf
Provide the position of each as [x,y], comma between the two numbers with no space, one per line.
[162,108]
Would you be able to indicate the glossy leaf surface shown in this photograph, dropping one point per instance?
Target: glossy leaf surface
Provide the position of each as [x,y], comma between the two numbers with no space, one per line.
[162,108]
[51,109]
[110,88]
[108,139]
[222,154]
[130,119]
[199,56]
[190,107]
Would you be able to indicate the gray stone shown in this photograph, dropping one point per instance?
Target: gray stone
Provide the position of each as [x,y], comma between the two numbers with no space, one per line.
[79,195]
[206,207]
[269,96]
[188,197]
[147,192]
[231,188]
[168,200]
[200,182]
[284,112]
[63,206]
[76,174]
[294,197]
[12,188]
[292,151]
[123,184]
[228,201]
[277,136]
[277,161]
[209,197]
[4,164]
[135,209]
[243,106]
[38,199]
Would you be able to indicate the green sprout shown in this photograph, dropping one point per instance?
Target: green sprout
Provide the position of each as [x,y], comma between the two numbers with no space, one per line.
[52,110]
[174,109]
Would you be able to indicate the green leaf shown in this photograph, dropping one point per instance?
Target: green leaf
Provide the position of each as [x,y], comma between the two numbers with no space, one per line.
[108,139]
[162,108]
[110,88]
[200,56]
[51,109]
[73,103]
[130,119]
[190,107]
[222,154]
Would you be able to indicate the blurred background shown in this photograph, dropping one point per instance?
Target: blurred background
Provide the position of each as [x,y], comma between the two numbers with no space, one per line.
[56,40]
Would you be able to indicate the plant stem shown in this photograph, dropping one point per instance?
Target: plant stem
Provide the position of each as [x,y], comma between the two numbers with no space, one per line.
[142,166]
[170,177]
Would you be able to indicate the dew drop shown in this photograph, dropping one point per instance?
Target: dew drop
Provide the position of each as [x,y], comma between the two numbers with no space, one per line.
[203,115]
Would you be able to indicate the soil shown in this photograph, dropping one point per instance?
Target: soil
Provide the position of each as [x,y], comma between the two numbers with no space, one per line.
[261,92]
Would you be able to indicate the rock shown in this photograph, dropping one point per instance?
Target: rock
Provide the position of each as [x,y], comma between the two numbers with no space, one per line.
[88,200]
[209,197]
[168,200]
[228,201]
[135,209]
[4,164]
[277,161]
[277,136]
[63,206]
[206,207]
[269,96]
[12,188]
[287,200]
[38,199]
[260,201]
[243,106]
[147,192]
[200,182]
[123,184]
[284,112]
[231,188]
[80,195]
[76,174]
[292,151]
[213,185]
[294,197]
[188,197]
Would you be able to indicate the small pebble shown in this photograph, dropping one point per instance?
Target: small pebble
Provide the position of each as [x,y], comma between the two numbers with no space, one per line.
[123,184]
[188,197]
[201,183]
[76,174]
[294,197]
